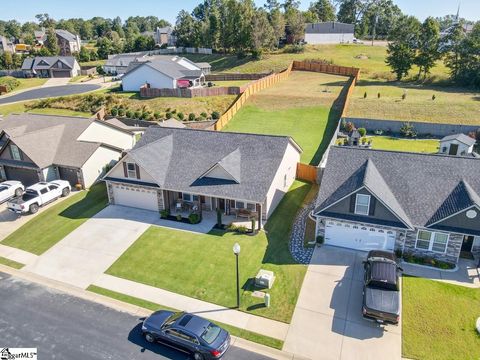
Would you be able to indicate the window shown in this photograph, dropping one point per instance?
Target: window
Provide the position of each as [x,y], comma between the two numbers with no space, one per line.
[52,187]
[43,191]
[131,171]
[432,241]
[362,204]
[190,197]
[15,152]
[244,205]
[239,205]
[251,206]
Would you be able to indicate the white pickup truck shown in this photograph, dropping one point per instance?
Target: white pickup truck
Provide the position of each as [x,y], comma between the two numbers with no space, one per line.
[38,195]
[10,189]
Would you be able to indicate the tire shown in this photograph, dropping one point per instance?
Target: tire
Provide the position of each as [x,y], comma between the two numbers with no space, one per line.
[65,192]
[198,356]
[33,208]
[149,337]
[18,192]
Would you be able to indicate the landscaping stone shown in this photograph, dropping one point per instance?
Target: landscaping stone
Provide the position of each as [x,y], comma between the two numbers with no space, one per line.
[300,253]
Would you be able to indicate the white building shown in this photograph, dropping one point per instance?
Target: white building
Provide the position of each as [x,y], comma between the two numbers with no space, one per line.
[331,32]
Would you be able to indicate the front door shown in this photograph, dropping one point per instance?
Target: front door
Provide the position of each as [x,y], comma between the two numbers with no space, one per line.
[453,149]
[221,205]
[466,251]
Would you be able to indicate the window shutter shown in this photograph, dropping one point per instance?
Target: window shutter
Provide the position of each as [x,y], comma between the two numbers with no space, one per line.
[137,170]
[125,169]
[352,202]
[373,202]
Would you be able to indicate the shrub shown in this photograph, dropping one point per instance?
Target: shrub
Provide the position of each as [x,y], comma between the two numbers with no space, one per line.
[408,130]
[362,132]
[9,82]
[320,239]
[165,213]
[157,115]
[204,115]
[404,95]
[146,115]
[121,112]
[242,229]
[379,96]
[194,218]
[364,140]
[130,114]
[433,97]
[174,111]
[168,115]
[191,117]
[114,112]
[215,115]
[179,217]
[181,116]
[349,126]
[138,114]
[365,95]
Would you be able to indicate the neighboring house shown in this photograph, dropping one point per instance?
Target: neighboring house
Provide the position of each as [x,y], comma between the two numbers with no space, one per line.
[163,72]
[236,173]
[43,148]
[457,145]
[330,32]
[164,36]
[68,43]
[423,204]
[6,45]
[51,66]
[118,64]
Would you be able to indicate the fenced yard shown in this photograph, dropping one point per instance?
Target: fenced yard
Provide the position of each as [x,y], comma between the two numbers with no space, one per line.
[306,106]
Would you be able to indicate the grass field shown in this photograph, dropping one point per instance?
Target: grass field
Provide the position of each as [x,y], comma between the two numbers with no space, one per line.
[20,108]
[451,105]
[303,106]
[24,83]
[439,320]
[409,145]
[52,225]
[212,278]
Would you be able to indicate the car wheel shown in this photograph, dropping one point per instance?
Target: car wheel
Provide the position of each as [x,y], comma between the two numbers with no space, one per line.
[18,192]
[65,192]
[198,356]
[33,208]
[149,337]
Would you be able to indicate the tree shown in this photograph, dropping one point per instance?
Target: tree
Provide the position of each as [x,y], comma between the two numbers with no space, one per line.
[7,60]
[84,54]
[469,64]
[324,10]
[278,25]
[272,5]
[378,19]
[263,36]
[104,47]
[428,46]
[295,24]
[51,43]
[451,47]
[290,4]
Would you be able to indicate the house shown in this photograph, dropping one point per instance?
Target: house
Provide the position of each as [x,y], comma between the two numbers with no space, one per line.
[51,66]
[457,145]
[6,45]
[118,64]
[164,36]
[68,43]
[421,204]
[163,72]
[236,173]
[330,32]
[37,148]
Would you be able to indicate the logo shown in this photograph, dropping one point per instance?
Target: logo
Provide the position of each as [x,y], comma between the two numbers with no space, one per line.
[18,353]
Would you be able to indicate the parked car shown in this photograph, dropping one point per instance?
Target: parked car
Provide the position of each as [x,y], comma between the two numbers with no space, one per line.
[381,289]
[188,333]
[38,195]
[10,189]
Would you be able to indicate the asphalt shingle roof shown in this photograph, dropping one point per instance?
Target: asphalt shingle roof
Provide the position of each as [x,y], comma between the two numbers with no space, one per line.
[177,159]
[427,187]
[330,27]
[46,62]
[467,140]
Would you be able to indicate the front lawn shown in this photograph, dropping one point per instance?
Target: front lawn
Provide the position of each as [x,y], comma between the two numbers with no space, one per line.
[439,320]
[203,265]
[20,108]
[306,106]
[52,225]
[409,145]
[11,263]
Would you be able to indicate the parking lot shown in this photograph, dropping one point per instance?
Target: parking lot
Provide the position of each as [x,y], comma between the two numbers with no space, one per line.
[327,322]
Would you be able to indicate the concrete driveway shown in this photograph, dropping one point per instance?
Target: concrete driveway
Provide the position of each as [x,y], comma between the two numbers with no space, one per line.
[49,91]
[87,252]
[327,322]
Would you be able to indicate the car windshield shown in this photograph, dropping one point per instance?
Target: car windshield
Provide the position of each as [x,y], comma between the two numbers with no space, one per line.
[210,333]
[29,194]
[172,318]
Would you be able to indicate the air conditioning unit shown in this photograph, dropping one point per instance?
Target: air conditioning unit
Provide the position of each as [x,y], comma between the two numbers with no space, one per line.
[264,279]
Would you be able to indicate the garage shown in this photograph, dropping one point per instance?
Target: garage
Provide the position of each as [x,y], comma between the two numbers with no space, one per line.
[358,237]
[136,197]
[69,175]
[61,73]
[26,176]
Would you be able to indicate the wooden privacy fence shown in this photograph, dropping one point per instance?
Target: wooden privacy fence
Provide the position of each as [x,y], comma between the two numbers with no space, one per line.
[318,66]
[251,89]
[234,77]
[307,172]
[146,92]
[3,89]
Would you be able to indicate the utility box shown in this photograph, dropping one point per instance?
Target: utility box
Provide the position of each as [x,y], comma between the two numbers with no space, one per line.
[264,279]
[267,300]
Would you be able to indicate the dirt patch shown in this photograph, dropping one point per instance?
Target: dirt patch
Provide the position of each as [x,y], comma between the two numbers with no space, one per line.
[362,57]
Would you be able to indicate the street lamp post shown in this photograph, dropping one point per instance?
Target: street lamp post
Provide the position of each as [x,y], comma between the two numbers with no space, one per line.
[236,251]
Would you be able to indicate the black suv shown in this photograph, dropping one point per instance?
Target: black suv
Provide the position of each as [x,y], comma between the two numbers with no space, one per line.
[188,333]
[381,289]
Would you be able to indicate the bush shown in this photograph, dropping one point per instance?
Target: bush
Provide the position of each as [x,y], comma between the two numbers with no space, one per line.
[408,130]
[194,218]
[294,49]
[114,112]
[362,132]
[168,115]
[365,95]
[130,114]
[349,127]
[204,115]
[146,115]
[179,217]
[174,111]
[191,117]
[181,116]
[9,82]
[242,229]
[320,239]
[157,115]
[138,114]
[121,112]
[215,115]
[165,213]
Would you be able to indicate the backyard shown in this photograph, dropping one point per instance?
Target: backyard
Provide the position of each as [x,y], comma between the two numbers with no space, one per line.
[203,265]
[441,326]
[306,106]
[409,145]
[49,227]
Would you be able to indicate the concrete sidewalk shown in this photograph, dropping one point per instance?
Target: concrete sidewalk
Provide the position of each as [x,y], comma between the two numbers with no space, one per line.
[260,325]
[20,256]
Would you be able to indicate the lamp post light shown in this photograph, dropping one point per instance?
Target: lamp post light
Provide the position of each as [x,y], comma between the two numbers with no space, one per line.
[236,251]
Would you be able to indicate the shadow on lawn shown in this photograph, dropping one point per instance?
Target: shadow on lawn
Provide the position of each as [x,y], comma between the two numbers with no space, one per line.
[93,202]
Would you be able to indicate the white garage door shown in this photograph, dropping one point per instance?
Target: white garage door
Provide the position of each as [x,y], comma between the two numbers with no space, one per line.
[135,197]
[358,237]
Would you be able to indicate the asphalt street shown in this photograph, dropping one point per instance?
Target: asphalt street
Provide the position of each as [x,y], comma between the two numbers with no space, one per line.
[46,92]
[61,326]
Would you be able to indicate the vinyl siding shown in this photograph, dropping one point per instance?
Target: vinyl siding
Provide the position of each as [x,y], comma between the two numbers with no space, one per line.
[93,169]
[98,132]
[145,74]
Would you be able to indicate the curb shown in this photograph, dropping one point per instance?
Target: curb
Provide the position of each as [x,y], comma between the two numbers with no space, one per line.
[133,309]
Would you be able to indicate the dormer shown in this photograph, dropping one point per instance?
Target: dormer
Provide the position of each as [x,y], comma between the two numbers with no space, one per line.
[228,168]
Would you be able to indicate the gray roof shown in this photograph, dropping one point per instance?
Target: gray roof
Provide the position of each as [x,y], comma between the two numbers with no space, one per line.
[172,123]
[46,62]
[180,160]
[122,59]
[467,140]
[419,188]
[165,30]
[67,35]
[203,65]
[170,68]
[48,140]
[330,27]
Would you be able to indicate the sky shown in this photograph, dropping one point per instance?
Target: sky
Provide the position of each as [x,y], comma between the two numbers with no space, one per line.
[168,9]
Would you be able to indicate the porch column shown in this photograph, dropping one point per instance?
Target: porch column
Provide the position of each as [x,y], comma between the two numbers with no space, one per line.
[259,211]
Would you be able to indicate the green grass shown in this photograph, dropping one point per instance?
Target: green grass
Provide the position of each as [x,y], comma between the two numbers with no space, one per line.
[52,225]
[245,334]
[398,144]
[203,265]
[11,263]
[439,320]
[20,108]
[93,63]
[304,106]
[24,83]
[232,83]
[78,78]
[451,105]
